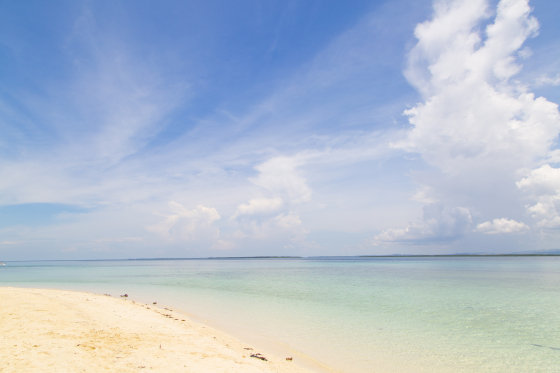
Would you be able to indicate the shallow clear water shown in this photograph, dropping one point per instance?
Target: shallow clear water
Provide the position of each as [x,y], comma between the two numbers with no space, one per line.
[458,314]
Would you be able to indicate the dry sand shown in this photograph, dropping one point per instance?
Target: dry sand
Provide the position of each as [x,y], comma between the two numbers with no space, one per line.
[64,331]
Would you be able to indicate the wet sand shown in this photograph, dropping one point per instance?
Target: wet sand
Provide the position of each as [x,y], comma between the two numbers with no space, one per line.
[64,331]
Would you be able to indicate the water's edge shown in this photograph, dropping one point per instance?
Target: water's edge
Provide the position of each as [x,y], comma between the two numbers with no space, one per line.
[352,314]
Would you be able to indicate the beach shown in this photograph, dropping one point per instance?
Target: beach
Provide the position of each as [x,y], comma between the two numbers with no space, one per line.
[353,315]
[47,330]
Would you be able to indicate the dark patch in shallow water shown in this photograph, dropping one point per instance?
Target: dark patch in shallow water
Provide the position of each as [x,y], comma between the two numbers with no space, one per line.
[552,348]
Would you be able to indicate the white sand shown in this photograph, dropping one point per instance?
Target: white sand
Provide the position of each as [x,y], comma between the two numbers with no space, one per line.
[64,331]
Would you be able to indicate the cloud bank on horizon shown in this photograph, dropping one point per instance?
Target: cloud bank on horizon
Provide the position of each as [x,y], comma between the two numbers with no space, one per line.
[279,129]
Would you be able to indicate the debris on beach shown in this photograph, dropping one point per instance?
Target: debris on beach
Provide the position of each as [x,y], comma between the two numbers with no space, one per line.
[259,356]
[289,358]
[247,348]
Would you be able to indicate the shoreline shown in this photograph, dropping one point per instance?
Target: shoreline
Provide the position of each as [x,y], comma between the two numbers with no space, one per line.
[265,345]
[58,330]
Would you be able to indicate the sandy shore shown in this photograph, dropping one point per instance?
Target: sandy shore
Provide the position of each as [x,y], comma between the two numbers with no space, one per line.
[64,331]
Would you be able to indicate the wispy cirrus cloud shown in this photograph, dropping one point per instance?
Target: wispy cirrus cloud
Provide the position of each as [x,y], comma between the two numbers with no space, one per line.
[316,149]
[546,80]
[107,107]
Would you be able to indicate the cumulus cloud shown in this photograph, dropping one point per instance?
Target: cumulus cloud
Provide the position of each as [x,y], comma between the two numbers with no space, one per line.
[543,185]
[472,113]
[275,217]
[222,245]
[554,156]
[258,206]
[291,223]
[280,176]
[188,225]
[282,227]
[502,226]
[437,224]
[476,126]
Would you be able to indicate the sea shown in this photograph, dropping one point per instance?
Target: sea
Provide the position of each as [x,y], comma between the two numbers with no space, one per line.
[348,314]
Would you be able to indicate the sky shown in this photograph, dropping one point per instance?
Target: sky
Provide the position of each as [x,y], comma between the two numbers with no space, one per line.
[176,129]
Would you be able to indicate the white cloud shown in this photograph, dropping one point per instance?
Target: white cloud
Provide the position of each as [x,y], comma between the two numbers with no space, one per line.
[120,99]
[258,206]
[107,106]
[525,53]
[280,228]
[187,225]
[553,156]
[280,176]
[476,126]
[291,223]
[423,195]
[546,80]
[544,180]
[472,113]
[222,245]
[437,224]
[275,218]
[502,226]
[543,185]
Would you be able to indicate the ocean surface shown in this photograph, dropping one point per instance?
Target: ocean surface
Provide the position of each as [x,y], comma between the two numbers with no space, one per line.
[446,314]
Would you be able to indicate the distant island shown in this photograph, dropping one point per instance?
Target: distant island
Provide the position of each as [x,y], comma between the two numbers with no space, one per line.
[256,257]
[453,255]
[219,257]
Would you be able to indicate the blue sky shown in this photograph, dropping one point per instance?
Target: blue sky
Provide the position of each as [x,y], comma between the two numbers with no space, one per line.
[136,129]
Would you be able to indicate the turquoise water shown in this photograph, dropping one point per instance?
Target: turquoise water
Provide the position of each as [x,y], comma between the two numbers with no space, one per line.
[458,314]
